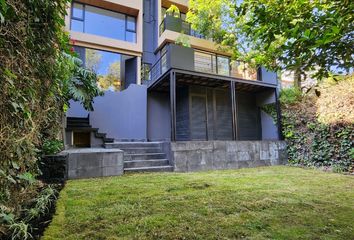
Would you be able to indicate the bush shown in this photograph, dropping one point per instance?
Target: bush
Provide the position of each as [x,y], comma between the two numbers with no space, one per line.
[290,95]
[318,136]
[38,75]
[51,147]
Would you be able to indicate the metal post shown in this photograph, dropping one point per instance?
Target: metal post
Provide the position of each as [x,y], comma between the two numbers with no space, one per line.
[173,105]
[234,111]
[277,104]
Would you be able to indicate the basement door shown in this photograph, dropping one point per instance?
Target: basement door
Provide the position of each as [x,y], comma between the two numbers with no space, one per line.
[198,117]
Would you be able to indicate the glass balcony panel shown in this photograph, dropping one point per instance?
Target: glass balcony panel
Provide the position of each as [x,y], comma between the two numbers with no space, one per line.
[204,62]
[223,66]
[250,72]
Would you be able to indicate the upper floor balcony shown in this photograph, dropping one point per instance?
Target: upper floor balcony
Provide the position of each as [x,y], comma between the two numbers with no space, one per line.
[178,25]
[183,58]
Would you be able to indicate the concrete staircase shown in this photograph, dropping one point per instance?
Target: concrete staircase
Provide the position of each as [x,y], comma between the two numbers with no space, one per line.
[143,156]
[77,124]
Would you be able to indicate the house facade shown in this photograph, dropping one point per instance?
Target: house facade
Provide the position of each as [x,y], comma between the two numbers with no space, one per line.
[199,108]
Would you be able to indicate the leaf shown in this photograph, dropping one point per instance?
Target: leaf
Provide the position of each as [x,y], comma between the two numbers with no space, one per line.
[15,166]
[307,33]
[27,177]
[335,30]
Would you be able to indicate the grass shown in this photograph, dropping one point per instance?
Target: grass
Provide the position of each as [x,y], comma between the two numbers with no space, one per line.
[259,203]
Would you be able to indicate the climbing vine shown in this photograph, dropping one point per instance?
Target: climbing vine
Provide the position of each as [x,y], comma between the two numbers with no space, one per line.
[38,75]
[312,142]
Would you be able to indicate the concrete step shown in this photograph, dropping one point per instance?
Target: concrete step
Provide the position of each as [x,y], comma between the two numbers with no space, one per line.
[149,169]
[146,163]
[144,156]
[141,150]
[124,145]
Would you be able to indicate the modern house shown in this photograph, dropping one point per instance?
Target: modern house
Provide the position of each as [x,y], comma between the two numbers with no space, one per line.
[168,106]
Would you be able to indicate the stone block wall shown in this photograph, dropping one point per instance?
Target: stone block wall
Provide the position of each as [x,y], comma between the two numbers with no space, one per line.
[94,162]
[212,155]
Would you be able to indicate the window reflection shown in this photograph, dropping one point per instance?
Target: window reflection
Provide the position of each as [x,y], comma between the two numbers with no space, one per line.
[107,65]
[243,70]
[102,22]
[204,62]
[223,66]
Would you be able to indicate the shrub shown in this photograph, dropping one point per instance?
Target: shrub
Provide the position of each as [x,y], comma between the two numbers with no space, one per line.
[38,75]
[51,147]
[313,141]
[290,95]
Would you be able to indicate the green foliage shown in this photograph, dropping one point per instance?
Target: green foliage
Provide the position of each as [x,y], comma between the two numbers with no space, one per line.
[271,110]
[20,231]
[295,35]
[43,202]
[290,95]
[51,147]
[38,76]
[312,142]
[173,10]
[183,40]
[21,228]
[81,85]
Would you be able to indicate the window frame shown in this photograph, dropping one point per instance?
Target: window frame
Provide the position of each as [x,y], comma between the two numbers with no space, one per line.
[126,16]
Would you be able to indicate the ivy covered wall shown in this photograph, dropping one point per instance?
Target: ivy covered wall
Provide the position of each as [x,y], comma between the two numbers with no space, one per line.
[39,74]
[319,126]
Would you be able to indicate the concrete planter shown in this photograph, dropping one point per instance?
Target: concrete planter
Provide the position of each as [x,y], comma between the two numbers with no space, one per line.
[181,57]
[173,23]
[94,162]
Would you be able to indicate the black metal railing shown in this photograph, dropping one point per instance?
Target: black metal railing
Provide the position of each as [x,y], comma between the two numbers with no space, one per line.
[159,68]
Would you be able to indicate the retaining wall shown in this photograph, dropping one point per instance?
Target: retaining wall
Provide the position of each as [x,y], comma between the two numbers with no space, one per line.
[212,155]
[94,162]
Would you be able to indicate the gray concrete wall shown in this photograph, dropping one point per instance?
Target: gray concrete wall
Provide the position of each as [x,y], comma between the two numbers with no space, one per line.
[94,162]
[122,115]
[150,30]
[158,117]
[212,155]
[269,128]
[268,76]
[180,57]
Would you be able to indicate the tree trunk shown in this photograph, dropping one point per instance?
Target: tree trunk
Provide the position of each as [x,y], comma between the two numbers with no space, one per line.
[297,78]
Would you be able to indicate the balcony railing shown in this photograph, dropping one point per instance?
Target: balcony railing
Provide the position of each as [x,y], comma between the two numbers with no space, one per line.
[156,70]
[178,25]
[194,60]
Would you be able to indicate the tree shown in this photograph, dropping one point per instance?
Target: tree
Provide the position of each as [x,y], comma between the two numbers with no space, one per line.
[296,35]
[112,79]
[93,59]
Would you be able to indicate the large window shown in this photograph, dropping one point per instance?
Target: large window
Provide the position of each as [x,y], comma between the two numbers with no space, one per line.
[102,22]
[107,66]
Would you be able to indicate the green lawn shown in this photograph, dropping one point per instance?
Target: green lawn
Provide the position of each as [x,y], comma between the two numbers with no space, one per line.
[258,203]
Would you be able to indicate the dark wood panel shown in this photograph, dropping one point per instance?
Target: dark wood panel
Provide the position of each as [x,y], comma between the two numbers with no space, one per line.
[198,125]
[182,114]
[223,112]
[248,117]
